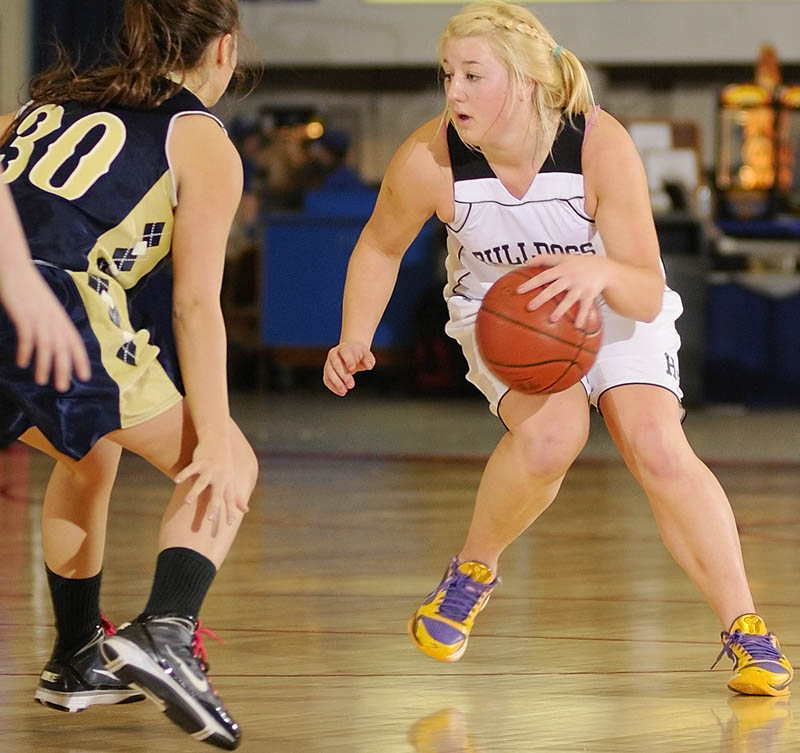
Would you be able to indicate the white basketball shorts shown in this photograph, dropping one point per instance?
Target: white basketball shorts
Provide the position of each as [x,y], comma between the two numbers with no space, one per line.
[632,352]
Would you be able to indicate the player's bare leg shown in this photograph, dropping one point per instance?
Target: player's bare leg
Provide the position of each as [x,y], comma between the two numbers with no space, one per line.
[691,509]
[74,518]
[160,651]
[698,527]
[525,471]
[75,509]
[520,481]
[170,450]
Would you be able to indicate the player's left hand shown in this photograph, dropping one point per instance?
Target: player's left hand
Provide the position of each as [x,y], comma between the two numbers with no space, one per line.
[580,278]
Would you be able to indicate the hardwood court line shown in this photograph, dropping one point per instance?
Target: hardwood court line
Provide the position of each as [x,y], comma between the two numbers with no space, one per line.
[381,456]
[477,673]
[474,634]
[404,673]
[401,634]
[415,597]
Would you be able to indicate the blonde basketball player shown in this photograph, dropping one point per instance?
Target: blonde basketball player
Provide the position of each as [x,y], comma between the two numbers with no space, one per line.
[524,169]
[130,235]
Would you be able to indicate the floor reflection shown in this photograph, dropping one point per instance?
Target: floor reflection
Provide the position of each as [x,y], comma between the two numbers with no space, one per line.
[757,725]
[445,731]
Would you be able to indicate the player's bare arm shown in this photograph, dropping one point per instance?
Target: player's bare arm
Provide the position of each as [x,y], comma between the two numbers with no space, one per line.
[618,195]
[411,192]
[5,123]
[629,277]
[413,189]
[209,184]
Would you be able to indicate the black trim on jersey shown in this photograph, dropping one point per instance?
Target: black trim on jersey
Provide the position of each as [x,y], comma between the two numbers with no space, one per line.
[641,384]
[500,400]
[459,281]
[469,212]
[183,101]
[580,214]
[568,201]
[462,296]
[564,199]
[565,156]
[468,163]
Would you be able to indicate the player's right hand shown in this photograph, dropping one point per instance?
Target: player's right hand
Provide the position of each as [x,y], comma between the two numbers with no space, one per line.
[45,334]
[343,361]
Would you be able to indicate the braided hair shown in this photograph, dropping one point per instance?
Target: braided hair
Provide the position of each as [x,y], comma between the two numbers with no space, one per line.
[527,49]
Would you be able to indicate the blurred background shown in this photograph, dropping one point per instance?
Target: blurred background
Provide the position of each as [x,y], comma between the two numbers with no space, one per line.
[710,92]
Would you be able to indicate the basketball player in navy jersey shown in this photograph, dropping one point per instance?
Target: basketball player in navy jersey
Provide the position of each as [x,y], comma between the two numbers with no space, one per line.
[44,332]
[523,169]
[123,179]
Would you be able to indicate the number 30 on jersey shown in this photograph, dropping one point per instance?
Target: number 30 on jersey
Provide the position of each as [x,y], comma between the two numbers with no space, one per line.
[86,171]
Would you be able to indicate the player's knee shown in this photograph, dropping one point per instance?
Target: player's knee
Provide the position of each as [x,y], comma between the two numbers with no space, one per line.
[248,467]
[96,469]
[656,452]
[252,464]
[549,453]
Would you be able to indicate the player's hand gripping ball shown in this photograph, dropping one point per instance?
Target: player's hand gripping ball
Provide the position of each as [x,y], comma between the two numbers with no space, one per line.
[524,349]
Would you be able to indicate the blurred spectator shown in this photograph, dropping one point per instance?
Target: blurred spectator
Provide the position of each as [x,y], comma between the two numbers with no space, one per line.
[328,158]
[251,143]
[241,282]
[246,229]
[286,163]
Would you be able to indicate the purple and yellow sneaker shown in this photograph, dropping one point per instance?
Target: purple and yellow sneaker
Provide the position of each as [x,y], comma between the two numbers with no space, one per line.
[440,628]
[759,667]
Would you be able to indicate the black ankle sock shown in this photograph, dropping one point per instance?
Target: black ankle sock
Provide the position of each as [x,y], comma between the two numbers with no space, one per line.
[76,605]
[183,577]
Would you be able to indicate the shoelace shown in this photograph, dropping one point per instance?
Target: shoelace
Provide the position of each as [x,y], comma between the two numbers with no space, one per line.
[462,594]
[107,625]
[758,646]
[198,648]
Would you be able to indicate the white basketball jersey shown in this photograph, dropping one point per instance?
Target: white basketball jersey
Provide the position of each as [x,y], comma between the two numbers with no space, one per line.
[494,231]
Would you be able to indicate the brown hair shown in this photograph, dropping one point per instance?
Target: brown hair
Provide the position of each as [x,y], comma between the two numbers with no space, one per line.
[159,41]
[528,51]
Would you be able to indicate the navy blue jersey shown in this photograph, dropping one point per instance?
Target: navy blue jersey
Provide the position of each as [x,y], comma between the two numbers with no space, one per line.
[96,198]
[95,185]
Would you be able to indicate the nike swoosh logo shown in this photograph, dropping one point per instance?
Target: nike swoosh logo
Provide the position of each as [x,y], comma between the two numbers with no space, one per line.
[106,673]
[201,686]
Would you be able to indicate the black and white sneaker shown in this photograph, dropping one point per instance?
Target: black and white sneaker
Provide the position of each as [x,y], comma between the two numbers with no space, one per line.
[75,679]
[163,657]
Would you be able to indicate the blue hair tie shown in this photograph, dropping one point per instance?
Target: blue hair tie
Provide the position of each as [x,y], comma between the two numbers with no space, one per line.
[557,51]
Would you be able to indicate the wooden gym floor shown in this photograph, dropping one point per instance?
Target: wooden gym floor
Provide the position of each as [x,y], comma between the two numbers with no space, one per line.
[595,641]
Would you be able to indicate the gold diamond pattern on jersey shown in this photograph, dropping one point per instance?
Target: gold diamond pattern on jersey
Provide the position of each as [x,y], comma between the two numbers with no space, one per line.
[145,389]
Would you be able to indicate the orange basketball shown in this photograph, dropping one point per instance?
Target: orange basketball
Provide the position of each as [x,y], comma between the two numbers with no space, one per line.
[524,349]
